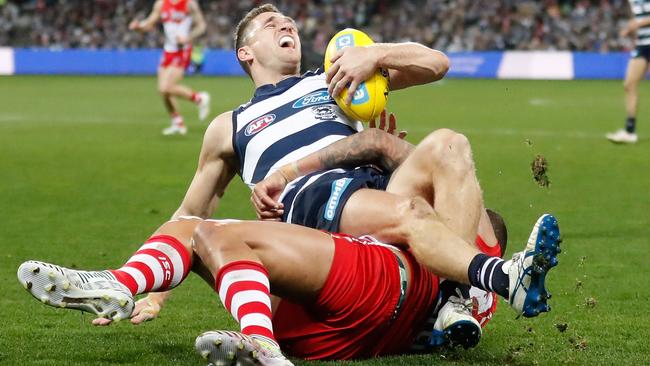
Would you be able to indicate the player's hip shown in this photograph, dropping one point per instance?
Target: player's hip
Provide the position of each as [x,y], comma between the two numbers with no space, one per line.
[176,57]
[317,200]
[361,308]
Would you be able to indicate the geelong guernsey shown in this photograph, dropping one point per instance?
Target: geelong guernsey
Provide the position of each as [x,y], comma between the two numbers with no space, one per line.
[641,10]
[176,21]
[286,122]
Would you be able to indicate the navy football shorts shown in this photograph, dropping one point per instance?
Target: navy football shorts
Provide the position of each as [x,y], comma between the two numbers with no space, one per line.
[316,200]
[641,51]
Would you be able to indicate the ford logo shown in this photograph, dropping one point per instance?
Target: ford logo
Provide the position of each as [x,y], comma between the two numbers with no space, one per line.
[319,97]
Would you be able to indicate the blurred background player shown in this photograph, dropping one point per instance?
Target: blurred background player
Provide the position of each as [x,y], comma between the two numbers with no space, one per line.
[182,22]
[636,69]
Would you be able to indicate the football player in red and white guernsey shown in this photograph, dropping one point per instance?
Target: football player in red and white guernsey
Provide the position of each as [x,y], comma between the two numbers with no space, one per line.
[182,22]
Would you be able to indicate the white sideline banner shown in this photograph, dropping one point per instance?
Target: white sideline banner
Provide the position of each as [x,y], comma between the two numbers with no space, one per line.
[6,61]
[536,65]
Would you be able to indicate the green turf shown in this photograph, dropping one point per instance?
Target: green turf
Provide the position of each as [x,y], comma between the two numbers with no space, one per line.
[86,176]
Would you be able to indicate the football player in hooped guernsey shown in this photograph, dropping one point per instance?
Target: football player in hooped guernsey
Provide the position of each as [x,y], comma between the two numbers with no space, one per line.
[311,158]
[291,129]
[182,22]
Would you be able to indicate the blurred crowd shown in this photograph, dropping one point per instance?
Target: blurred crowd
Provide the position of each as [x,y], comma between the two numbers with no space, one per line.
[449,25]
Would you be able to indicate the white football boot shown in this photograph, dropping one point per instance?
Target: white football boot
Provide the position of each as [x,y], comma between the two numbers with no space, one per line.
[455,324]
[527,269]
[226,348]
[175,130]
[93,292]
[622,137]
[204,105]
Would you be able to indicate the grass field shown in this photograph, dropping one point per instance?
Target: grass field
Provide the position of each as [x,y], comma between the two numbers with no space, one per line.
[86,176]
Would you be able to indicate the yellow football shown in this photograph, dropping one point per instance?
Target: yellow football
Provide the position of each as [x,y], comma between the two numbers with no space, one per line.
[371,96]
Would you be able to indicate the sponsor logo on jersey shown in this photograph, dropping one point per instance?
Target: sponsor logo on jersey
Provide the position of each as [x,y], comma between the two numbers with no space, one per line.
[259,124]
[319,97]
[338,187]
[324,112]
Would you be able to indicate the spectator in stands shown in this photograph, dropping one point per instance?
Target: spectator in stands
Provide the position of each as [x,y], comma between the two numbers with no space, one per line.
[451,25]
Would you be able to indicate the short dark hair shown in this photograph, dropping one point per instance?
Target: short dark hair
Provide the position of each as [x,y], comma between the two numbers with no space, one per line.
[243,25]
[500,229]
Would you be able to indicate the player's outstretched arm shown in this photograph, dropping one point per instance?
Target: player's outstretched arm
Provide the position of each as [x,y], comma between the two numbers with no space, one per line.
[148,24]
[378,146]
[215,170]
[408,64]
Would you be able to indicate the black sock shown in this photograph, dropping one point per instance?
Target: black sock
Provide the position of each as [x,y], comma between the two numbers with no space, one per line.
[486,273]
[630,124]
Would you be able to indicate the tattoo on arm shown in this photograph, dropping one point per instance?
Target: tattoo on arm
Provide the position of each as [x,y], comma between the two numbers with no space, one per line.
[370,146]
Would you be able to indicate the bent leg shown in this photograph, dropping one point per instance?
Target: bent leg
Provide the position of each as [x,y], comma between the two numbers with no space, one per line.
[174,88]
[165,80]
[297,259]
[248,261]
[441,171]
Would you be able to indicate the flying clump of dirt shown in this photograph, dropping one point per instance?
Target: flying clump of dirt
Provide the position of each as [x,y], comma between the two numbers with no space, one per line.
[539,166]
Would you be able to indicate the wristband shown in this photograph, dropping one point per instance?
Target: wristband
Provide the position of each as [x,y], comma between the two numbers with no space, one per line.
[296,171]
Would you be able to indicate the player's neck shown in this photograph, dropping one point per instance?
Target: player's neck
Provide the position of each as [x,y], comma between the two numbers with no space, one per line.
[272,78]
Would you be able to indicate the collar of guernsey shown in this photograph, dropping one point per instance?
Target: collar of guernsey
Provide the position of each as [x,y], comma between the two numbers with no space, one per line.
[402,281]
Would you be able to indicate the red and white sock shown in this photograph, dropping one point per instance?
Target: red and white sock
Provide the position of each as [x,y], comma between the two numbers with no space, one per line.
[243,287]
[196,97]
[494,251]
[177,119]
[160,264]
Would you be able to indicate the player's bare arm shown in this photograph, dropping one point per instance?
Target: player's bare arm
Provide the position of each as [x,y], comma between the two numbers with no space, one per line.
[215,170]
[408,64]
[633,25]
[371,146]
[198,22]
[147,24]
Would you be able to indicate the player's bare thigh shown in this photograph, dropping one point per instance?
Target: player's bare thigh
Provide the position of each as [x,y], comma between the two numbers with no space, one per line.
[168,77]
[636,70]
[378,213]
[298,259]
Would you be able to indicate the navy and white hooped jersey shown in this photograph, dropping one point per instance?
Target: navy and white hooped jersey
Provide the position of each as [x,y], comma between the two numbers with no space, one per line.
[641,10]
[286,122]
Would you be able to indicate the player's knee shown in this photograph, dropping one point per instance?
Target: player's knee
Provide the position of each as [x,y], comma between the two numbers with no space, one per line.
[164,88]
[448,147]
[208,237]
[630,86]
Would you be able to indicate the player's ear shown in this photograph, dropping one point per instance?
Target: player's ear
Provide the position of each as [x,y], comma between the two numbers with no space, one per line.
[244,54]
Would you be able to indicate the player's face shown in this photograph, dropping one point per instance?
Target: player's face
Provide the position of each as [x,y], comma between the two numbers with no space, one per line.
[273,39]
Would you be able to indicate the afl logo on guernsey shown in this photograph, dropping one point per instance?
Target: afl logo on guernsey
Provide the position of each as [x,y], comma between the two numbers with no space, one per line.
[259,124]
[319,97]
